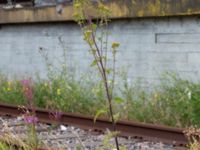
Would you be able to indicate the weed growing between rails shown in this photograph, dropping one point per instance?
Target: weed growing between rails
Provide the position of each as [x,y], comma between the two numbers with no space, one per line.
[30,117]
[99,49]
[30,120]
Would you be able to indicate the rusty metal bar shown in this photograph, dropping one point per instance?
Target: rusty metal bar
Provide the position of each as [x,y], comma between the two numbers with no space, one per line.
[143,131]
[120,9]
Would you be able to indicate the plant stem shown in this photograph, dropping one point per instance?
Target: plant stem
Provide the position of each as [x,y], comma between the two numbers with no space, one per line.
[108,94]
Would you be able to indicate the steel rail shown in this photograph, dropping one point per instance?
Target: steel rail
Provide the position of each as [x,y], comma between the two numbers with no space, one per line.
[165,134]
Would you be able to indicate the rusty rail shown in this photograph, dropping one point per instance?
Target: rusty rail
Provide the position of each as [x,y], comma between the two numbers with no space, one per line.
[169,135]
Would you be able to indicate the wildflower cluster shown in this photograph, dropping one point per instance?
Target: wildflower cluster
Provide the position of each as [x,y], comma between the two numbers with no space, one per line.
[28,92]
[30,117]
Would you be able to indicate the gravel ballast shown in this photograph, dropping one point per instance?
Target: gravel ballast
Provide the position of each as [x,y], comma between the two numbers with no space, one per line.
[63,137]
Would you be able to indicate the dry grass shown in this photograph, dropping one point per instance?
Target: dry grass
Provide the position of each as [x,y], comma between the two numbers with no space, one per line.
[12,139]
[193,135]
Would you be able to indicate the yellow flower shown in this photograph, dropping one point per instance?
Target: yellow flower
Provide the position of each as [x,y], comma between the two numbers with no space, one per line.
[115,45]
[156,95]
[58,91]
[9,83]
[77,5]
[45,84]
[8,89]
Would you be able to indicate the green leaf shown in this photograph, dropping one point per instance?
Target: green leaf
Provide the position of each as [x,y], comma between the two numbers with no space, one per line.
[94,63]
[123,147]
[118,100]
[87,35]
[115,45]
[108,71]
[92,51]
[94,26]
[116,117]
[98,113]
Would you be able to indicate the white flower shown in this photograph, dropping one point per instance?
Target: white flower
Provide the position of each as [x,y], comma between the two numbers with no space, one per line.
[189,94]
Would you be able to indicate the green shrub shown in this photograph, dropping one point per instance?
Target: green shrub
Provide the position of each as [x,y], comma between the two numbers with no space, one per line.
[174,102]
[11,91]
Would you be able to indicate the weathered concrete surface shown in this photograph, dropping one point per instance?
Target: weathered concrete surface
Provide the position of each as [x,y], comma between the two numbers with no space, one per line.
[120,9]
[148,48]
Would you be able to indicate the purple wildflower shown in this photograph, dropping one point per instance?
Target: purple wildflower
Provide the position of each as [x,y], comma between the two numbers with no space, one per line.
[31,119]
[25,82]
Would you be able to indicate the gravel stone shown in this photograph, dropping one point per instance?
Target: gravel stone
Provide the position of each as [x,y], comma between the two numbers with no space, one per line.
[69,137]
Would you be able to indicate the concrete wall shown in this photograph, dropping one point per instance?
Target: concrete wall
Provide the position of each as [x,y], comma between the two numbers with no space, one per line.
[148,48]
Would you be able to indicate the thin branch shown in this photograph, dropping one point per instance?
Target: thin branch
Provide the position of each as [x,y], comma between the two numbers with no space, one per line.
[107,92]
[113,77]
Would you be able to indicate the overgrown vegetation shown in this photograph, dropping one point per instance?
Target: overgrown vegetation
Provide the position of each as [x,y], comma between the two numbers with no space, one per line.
[174,102]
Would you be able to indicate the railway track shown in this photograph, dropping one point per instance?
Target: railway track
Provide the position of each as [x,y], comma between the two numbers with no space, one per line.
[142,131]
[62,137]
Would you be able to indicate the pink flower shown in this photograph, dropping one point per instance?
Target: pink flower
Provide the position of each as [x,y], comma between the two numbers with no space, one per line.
[31,119]
[28,91]
[25,82]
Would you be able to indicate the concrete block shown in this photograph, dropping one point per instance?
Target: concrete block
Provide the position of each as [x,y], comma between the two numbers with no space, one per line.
[194,59]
